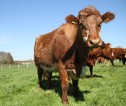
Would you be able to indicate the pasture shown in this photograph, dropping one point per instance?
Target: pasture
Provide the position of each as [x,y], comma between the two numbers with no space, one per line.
[18,87]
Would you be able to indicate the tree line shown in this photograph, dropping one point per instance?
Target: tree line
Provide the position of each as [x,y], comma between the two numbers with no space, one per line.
[6,58]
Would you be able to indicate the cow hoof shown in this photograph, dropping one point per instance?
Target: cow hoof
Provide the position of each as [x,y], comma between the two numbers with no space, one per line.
[66,103]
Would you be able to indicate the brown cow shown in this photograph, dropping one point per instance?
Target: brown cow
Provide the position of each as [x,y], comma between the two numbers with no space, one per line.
[105,52]
[66,48]
[119,54]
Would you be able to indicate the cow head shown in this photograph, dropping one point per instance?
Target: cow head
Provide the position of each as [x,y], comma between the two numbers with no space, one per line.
[90,21]
[108,52]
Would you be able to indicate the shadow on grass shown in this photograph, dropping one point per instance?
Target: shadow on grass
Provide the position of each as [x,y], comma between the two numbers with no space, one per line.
[56,86]
[81,94]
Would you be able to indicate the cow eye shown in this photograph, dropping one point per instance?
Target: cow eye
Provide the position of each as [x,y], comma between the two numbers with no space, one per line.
[99,25]
[84,27]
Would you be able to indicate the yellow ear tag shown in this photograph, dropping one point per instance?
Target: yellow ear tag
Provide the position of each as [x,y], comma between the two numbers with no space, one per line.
[107,20]
[74,22]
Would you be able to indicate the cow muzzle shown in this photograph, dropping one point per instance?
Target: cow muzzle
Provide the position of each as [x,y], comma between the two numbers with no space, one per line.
[95,42]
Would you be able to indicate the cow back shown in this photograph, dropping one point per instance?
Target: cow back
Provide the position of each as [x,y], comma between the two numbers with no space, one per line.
[118,52]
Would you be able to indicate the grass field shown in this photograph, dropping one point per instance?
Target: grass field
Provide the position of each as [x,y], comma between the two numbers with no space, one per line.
[18,87]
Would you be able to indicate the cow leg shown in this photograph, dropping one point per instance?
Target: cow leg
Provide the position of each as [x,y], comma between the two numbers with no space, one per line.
[40,72]
[44,74]
[112,62]
[75,87]
[64,84]
[123,61]
[49,80]
[75,82]
[91,71]
[120,60]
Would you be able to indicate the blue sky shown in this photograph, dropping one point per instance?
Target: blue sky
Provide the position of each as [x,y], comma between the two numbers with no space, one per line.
[21,21]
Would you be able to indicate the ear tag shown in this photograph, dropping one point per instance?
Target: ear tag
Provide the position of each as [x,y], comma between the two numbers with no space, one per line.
[106,20]
[74,22]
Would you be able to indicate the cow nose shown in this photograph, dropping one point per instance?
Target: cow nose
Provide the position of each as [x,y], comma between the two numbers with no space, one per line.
[91,42]
[95,41]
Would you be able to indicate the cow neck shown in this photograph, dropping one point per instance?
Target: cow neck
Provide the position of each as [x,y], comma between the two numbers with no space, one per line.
[78,44]
[82,48]
[79,38]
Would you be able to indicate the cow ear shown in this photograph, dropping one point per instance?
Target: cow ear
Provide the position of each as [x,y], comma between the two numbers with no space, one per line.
[108,16]
[71,19]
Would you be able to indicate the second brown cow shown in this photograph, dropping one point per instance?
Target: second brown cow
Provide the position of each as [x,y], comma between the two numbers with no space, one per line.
[119,54]
[105,52]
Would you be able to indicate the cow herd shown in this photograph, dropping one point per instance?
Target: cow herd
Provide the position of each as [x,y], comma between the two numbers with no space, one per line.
[106,53]
[73,46]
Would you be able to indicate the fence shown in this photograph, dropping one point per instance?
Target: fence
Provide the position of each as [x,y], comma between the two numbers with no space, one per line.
[16,66]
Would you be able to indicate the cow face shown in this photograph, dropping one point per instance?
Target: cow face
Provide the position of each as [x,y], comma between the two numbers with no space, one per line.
[91,30]
[91,20]
[108,52]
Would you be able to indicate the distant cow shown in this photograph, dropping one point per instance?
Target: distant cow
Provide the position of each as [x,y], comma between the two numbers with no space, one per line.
[105,53]
[66,48]
[119,54]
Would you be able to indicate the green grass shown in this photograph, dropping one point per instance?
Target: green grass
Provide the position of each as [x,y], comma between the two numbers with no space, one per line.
[18,87]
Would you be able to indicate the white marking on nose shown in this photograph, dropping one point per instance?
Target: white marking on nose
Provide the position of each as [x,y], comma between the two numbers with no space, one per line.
[86,37]
[112,54]
[87,32]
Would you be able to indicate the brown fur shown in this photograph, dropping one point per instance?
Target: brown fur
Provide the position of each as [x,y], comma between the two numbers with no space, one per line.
[90,10]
